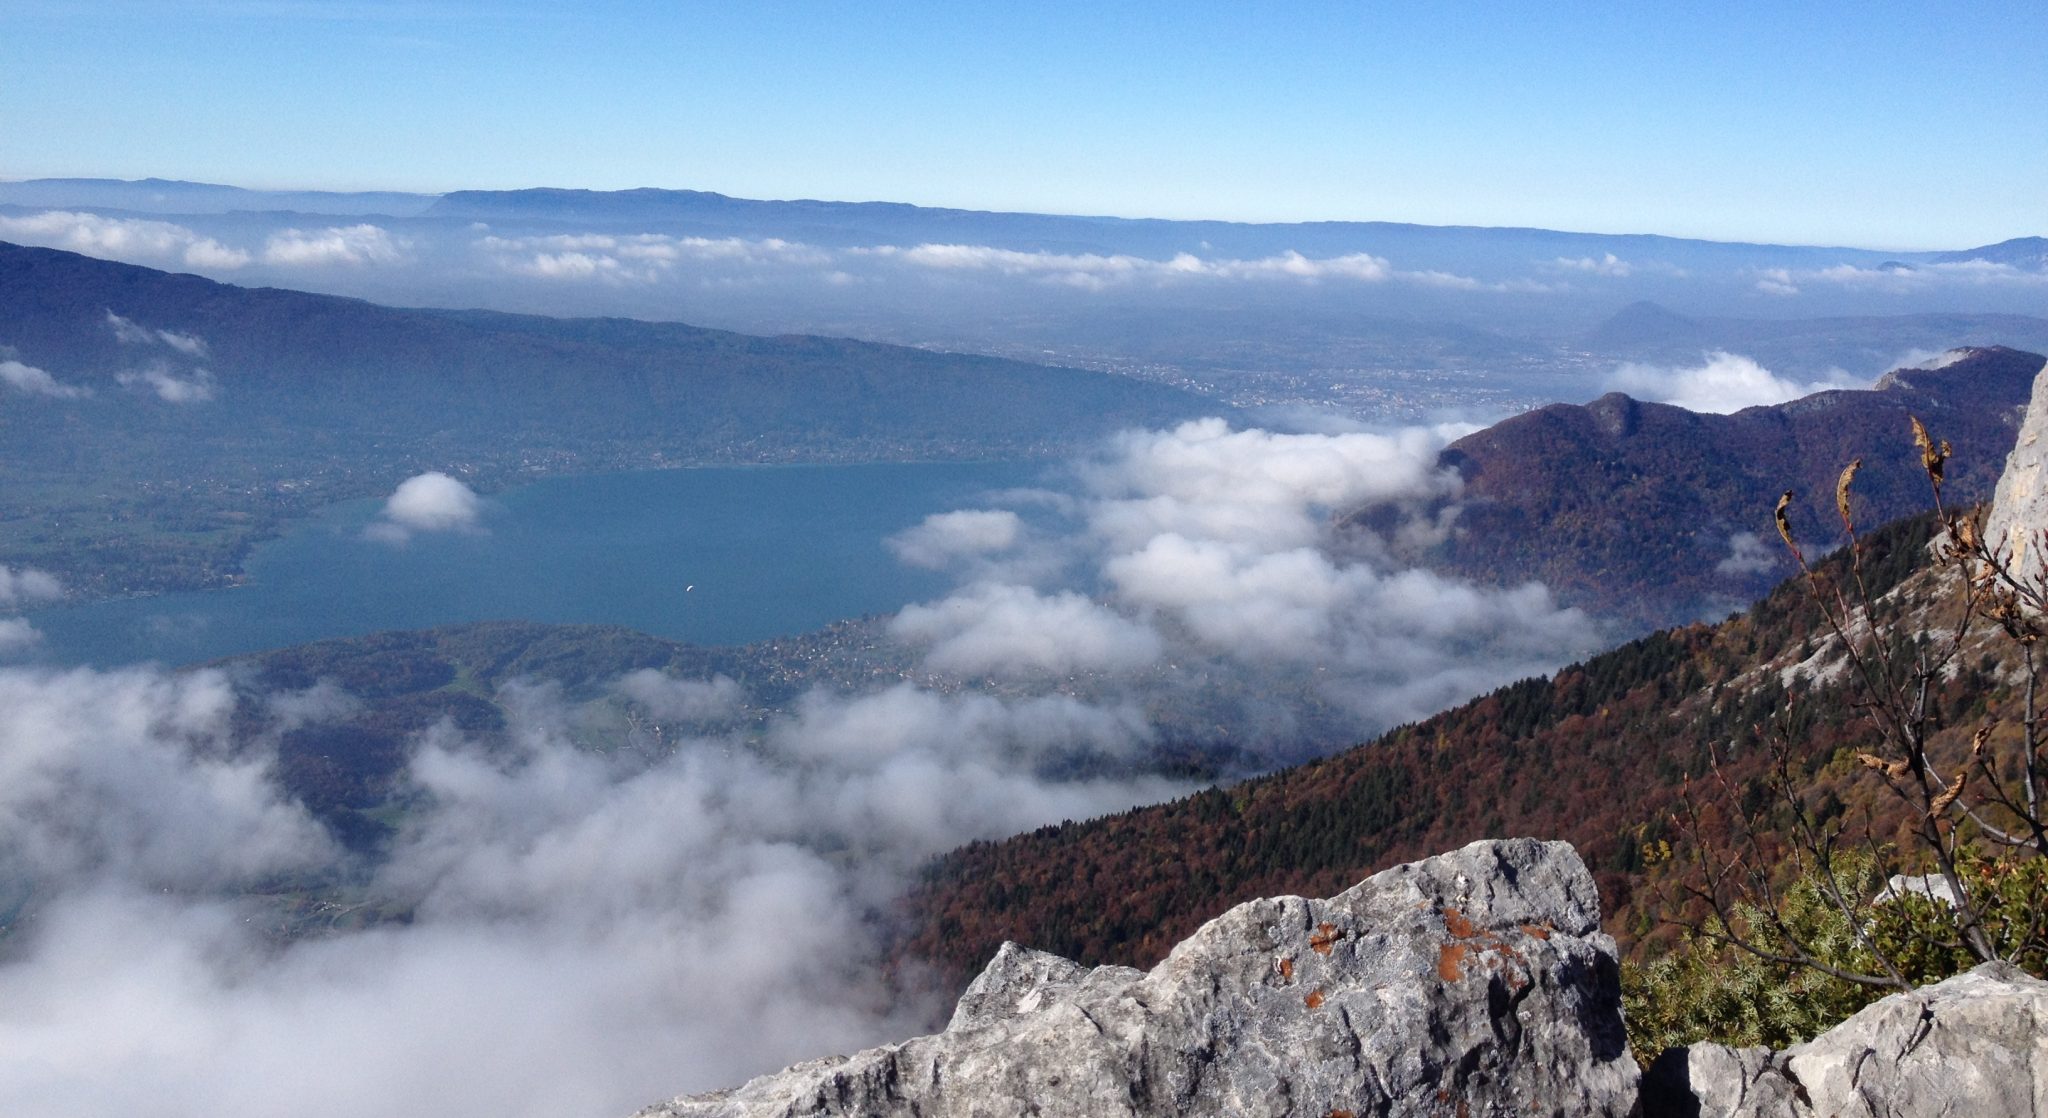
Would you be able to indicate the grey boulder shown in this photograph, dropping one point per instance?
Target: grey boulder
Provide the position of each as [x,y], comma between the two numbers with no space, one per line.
[1975,1044]
[1473,983]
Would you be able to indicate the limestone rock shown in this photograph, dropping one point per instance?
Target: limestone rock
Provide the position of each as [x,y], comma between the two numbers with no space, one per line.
[2019,510]
[1933,886]
[1976,1044]
[1473,983]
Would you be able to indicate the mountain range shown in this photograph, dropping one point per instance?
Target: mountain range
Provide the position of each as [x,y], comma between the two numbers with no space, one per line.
[839,222]
[159,422]
[1663,515]
[1382,320]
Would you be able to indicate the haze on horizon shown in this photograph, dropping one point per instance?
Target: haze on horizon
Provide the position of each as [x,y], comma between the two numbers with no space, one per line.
[579,897]
[1829,125]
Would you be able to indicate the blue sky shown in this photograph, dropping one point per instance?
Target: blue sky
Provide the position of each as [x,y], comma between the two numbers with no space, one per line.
[1884,125]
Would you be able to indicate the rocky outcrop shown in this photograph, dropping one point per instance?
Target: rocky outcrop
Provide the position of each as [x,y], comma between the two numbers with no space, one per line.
[1976,1044]
[1473,983]
[2019,510]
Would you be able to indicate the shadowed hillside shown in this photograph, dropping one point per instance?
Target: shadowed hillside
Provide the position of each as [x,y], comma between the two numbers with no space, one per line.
[1653,513]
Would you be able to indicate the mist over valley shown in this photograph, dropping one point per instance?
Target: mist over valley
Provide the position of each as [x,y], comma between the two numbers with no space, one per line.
[472,646]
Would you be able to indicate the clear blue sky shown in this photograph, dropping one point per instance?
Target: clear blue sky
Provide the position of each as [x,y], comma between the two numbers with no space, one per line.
[1887,125]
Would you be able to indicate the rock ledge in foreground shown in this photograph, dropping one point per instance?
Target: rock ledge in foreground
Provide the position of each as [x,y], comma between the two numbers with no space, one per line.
[1469,984]
[1975,1044]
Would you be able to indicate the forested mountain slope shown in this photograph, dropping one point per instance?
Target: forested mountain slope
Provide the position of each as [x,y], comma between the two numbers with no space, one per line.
[1596,755]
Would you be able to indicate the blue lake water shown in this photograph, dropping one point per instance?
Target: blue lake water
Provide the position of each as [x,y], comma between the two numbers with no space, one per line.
[770,552]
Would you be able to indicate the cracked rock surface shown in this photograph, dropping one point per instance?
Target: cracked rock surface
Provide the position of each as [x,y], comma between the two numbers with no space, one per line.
[1473,983]
[2019,511]
[1975,1044]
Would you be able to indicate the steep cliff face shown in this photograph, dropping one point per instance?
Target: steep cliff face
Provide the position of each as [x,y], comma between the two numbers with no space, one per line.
[2019,510]
[1476,982]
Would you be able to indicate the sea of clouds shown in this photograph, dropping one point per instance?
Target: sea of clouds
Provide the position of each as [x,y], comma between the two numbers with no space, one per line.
[589,930]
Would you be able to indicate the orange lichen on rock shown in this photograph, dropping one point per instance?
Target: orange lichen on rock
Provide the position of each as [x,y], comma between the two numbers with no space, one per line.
[1324,939]
[1450,962]
[1314,999]
[1537,930]
[1456,924]
[1287,970]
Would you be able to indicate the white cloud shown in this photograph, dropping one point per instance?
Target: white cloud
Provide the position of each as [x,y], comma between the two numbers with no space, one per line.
[1607,264]
[351,245]
[1747,555]
[1015,630]
[125,774]
[1094,270]
[132,239]
[1899,279]
[1254,602]
[1777,281]
[694,702]
[588,932]
[198,387]
[133,333]
[1203,479]
[638,258]
[31,381]
[1928,358]
[1208,549]
[27,587]
[17,636]
[648,258]
[945,537]
[1726,382]
[428,502]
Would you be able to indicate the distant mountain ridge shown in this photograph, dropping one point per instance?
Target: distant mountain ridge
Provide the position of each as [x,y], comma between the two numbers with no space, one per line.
[1650,332]
[1661,515]
[2021,252]
[708,393]
[175,196]
[893,222]
[246,403]
[666,204]
[1372,305]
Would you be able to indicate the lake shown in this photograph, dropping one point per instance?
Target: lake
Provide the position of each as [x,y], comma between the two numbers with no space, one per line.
[770,551]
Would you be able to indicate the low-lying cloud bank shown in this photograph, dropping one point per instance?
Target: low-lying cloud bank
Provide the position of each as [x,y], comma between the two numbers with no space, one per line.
[1723,383]
[138,240]
[647,258]
[623,897]
[1208,546]
[589,931]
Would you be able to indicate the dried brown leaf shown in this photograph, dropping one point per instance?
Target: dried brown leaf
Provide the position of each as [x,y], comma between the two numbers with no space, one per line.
[1891,769]
[1933,456]
[1955,790]
[1842,492]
